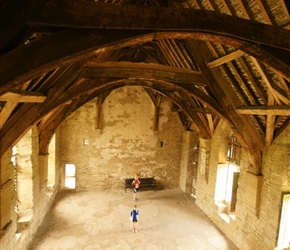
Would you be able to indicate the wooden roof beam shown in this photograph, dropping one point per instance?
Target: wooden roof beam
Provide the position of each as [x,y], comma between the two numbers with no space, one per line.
[193,116]
[13,98]
[238,82]
[6,112]
[284,84]
[254,82]
[225,59]
[22,120]
[283,110]
[22,96]
[210,123]
[266,80]
[142,70]
[113,16]
[270,122]
[244,128]
[98,42]
[48,126]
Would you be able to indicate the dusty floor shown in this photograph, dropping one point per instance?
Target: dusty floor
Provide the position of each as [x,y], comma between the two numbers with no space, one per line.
[100,220]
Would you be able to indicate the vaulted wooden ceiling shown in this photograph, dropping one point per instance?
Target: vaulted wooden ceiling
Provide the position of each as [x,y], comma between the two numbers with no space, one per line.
[214,59]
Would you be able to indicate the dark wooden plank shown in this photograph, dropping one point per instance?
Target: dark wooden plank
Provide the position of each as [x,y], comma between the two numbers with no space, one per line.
[53,51]
[13,28]
[142,70]
[86,14]
[27,115]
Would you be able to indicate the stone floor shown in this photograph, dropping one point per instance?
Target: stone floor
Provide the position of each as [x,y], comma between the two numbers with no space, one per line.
[100,220]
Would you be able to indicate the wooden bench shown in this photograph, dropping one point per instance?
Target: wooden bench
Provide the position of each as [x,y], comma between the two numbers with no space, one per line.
[145,183]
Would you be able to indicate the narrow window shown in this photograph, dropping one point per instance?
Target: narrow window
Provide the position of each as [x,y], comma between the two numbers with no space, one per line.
[14,162]
[70,176]
[226,188]
[284,229]
[51,165]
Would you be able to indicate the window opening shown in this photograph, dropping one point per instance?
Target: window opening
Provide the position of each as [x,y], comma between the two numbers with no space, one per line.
[51,164]
[15,177]
[195,165]
[284,229]
[70,178]
[226,188]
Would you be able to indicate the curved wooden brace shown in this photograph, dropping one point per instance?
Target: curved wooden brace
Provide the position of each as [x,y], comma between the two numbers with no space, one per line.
[66,13]
[30,114]
[52,51]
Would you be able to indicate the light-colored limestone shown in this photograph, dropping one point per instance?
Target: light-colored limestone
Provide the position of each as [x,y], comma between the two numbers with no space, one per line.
[100,220]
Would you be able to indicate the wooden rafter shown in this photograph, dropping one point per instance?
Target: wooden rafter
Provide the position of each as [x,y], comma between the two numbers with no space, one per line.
[225,59]
[6,111]
[48,128]
[232,72]
[266,12]
[22,96]
[156,99]
[244,7]
[270,121]
[278,97]
[283,110]
[284,84]
[142,70]
[100,43]
[253,81]
[94,43]
[193,116]
[11,130]
[248,132]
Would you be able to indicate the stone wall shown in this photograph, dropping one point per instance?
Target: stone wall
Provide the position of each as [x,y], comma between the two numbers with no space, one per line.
[125,145]
[250,228]
[33,201]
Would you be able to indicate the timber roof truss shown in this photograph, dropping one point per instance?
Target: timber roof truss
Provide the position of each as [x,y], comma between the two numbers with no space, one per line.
[214,59]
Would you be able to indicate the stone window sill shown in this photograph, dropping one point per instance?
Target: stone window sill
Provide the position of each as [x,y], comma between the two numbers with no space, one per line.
[222,212]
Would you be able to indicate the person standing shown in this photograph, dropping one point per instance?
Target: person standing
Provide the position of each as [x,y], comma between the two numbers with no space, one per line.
[136,185]
[134,215]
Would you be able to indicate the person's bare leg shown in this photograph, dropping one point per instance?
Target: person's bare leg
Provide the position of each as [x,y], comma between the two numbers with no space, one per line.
[135,227]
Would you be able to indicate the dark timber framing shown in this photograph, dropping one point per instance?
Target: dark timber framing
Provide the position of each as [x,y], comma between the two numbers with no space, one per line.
[51,78]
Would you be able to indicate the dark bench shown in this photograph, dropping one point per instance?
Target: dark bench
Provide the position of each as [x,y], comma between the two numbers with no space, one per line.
[145,183]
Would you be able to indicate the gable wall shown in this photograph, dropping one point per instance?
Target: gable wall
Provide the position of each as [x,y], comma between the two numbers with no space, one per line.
[125,145]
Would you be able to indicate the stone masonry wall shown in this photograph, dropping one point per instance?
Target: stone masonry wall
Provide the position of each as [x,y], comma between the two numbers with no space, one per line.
[126,145]
[35,201]
[250,229]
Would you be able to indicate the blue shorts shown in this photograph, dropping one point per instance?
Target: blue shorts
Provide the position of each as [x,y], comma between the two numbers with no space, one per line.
[136,190]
